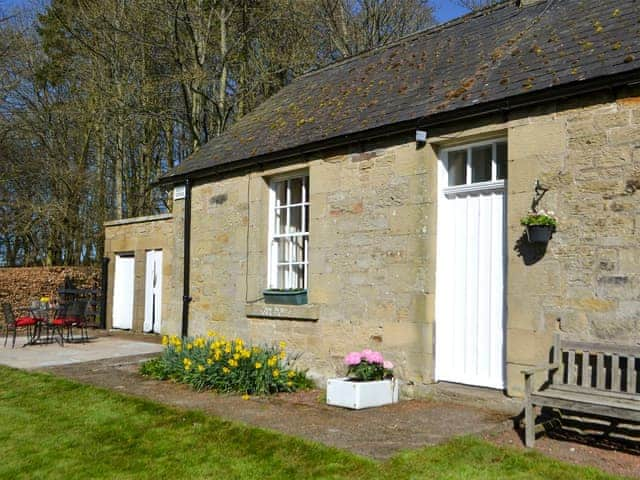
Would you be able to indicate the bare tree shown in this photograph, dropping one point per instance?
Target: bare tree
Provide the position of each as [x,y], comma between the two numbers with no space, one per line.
[357,25]
[477,4]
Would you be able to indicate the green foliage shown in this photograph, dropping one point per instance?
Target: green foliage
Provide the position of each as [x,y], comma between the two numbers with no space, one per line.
[223,365]
[540,218]
[366,372]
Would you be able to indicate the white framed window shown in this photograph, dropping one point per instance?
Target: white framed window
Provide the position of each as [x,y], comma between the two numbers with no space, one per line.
[476,165]
[289,232]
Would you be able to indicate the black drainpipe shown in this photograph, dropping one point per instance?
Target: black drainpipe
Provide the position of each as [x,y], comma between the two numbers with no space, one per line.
[187,257]
[104,284]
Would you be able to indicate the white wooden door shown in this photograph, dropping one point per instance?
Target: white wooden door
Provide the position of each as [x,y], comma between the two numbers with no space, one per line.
[153,292]
[123,288]
[470,305]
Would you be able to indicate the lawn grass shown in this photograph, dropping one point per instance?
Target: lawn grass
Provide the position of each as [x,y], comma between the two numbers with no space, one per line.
[53,428]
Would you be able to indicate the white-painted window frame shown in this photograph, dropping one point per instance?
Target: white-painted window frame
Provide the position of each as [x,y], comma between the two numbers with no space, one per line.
[272,246]
[469,186]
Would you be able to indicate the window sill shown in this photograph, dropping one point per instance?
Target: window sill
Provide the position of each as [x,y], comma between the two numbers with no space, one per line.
[305,313]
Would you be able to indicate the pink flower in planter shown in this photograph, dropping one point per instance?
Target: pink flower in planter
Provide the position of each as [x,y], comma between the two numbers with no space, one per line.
[352,358]
[387,365]
[372,357]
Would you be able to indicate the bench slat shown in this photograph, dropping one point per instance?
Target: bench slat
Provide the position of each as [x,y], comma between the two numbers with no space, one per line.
[598,393]
[594,397]
[624,411]
[571,371]
[586,370]
[595,347]
[601,372]
[615,372]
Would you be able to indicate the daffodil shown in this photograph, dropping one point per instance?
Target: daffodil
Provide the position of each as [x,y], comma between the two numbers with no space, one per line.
[276,373]
[283,345]
[189,346]
[225,370]
[165,340]
[289,383]
[201,368]
[291,374]
[245,396]
[209,361]
[258,365]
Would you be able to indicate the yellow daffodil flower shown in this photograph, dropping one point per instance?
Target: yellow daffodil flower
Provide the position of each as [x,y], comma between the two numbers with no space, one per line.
[258,365]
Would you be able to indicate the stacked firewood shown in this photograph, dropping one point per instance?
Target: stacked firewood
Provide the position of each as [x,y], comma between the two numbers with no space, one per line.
[20,286]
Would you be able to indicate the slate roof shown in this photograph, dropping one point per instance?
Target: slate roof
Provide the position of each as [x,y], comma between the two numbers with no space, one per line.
[499,53]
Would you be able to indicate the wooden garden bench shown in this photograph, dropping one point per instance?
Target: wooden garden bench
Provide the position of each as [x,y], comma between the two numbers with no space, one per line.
[593,378]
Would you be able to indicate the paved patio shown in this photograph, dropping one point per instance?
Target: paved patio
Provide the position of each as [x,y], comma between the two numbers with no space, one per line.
[99,348]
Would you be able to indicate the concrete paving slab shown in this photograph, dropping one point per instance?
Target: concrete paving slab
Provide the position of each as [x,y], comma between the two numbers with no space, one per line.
[50,355]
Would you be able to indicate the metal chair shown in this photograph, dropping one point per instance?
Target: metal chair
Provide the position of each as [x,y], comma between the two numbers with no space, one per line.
[68,316]
[12,324]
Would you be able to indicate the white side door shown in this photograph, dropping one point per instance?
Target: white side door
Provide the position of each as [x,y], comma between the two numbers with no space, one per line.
[153,292]
[123,289]
[470,301]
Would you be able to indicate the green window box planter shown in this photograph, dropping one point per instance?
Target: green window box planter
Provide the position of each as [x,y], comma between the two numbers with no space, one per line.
[286,297]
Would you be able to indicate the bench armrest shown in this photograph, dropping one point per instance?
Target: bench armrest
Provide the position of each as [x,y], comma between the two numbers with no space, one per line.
[527,372]
[528,377]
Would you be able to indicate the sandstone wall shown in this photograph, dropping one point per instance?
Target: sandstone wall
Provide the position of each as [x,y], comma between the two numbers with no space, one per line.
[372,242]
[137,235]
[371,217]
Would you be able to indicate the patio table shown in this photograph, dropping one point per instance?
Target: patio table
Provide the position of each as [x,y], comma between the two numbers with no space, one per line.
[44,316]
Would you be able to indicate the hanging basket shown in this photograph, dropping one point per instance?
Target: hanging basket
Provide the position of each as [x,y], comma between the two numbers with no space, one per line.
[539,233]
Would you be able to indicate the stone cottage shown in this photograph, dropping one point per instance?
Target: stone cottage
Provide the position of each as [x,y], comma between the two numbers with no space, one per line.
[391,185]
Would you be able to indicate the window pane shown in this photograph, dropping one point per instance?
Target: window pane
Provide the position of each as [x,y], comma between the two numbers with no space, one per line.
[296,190]
[457,167]
[481,164]
[305,181]
[297,276]
[501,160]
[281,220]
[282,276]
[295,219]
[282,247]
[298,248]
[281,193]
[306,219]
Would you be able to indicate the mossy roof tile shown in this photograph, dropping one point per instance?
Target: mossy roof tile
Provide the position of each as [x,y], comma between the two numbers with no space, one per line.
[495,54]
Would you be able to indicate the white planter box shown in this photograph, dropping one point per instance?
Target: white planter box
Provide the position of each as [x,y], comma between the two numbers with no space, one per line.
[342,392]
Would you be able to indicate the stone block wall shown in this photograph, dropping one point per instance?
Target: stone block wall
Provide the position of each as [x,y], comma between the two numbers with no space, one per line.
[137,235]
[372,217]
[373,242]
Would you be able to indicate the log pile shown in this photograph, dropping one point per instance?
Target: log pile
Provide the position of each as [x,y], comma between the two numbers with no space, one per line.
[19,286]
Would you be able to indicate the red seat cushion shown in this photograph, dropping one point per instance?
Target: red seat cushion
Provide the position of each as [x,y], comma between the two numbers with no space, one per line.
[65,320]
[26,321]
